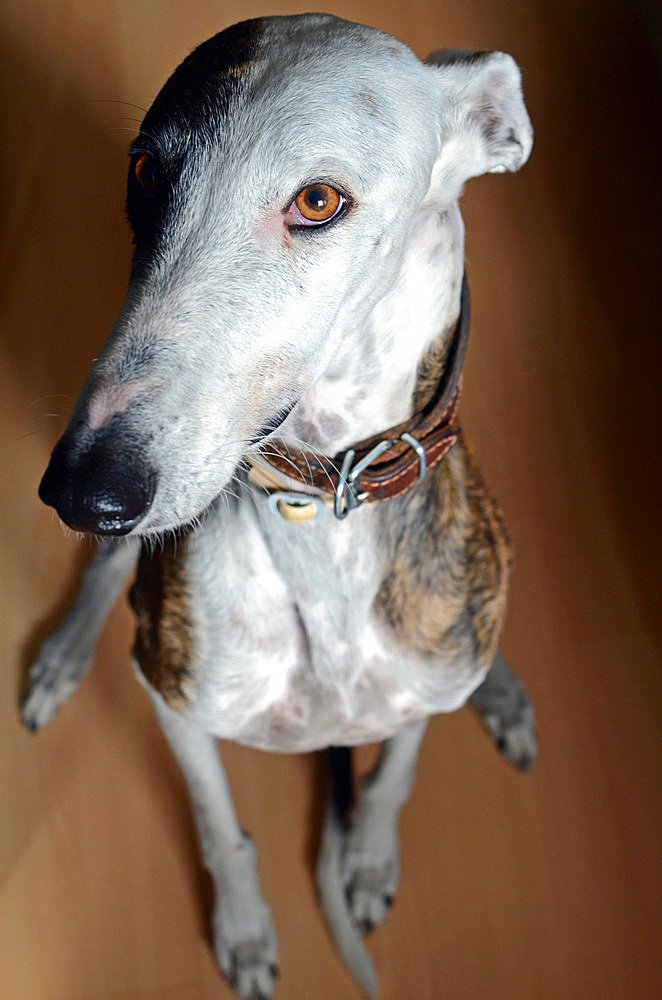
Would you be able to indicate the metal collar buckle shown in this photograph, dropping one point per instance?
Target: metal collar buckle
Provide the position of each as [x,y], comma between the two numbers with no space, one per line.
[348,494]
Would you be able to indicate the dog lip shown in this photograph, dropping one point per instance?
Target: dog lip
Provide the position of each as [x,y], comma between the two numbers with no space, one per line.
[273,423]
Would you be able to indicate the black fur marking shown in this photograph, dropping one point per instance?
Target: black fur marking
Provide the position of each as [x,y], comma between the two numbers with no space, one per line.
[195,100]
[188,113]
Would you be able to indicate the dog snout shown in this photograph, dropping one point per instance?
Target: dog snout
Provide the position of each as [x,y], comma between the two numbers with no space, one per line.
[105,489]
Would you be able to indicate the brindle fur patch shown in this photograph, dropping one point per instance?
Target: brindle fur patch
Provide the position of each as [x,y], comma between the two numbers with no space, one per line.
[162,600]
[445,592]
[431,369]
[430,372]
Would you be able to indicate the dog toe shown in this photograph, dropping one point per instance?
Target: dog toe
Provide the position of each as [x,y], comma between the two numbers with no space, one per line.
[516,738]
[46,691]
[255,982]
[250,973]
[249,965]
[370,896]
[56,673]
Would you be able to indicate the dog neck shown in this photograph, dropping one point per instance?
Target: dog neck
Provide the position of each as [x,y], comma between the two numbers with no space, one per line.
[387,369]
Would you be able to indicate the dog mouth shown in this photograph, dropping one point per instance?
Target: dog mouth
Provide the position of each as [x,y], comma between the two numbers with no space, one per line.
[273,423]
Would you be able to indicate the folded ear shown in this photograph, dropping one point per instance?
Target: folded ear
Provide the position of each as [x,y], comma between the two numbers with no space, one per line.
[484,124]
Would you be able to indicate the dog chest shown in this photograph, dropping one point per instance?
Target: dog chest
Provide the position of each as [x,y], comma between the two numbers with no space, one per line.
[291,637]
[265,678]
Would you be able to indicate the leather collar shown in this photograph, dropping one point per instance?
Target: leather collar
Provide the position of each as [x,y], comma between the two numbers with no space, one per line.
[388,464]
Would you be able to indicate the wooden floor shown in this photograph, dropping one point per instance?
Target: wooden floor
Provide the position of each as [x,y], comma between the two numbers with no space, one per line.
[545,886]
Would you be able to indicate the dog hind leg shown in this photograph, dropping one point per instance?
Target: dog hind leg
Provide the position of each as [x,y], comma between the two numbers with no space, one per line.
[67,655]
[244,939]
[504,706]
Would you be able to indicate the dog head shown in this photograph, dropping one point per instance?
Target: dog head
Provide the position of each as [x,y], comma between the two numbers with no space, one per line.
[272,189]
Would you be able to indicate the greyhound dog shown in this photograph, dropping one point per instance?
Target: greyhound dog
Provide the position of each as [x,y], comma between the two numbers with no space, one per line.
[272,424]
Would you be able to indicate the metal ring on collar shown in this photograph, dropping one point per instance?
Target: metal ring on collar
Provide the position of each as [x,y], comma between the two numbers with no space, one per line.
[420,451]
[296,506]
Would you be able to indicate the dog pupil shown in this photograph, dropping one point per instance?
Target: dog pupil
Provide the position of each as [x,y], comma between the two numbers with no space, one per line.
[316,198]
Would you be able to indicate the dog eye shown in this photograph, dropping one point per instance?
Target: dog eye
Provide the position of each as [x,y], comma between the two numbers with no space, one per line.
[315,205]
[146,172]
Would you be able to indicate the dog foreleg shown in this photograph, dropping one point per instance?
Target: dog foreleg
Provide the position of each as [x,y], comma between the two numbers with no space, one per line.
[67,655]
[359,865]
[503,704]
[244,939]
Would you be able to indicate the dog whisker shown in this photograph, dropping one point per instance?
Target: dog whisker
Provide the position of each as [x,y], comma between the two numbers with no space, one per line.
[318,453]
[121,118]
[103,100]
[22,437]
[50,398]
[118,128]
[295,468]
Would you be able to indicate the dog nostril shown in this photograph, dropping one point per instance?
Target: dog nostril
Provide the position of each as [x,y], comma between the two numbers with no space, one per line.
[107,491]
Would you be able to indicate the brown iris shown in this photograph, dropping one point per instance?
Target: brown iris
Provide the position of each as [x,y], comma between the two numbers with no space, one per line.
[146,172]
[318,203]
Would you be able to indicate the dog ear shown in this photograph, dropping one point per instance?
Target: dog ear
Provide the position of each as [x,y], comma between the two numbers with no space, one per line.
[484,124]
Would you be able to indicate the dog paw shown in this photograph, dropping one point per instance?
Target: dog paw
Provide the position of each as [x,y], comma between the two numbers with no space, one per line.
[515,736]
[250,969]
[371,869]
[504,706]
[245,947]
[54,676]
[370,894]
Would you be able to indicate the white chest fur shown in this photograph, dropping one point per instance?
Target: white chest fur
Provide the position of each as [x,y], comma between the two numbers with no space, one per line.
[288,652]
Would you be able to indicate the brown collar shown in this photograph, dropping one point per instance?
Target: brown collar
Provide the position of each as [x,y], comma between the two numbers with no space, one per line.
[388,464]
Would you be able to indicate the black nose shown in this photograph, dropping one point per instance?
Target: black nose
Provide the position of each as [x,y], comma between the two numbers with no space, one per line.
[106,490]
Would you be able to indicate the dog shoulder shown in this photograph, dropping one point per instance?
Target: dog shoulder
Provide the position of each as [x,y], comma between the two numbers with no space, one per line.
[446,585]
